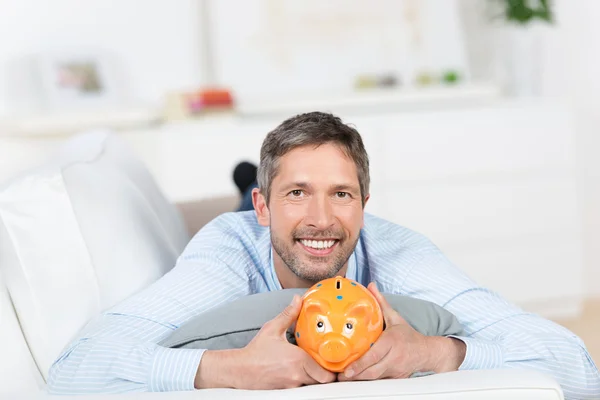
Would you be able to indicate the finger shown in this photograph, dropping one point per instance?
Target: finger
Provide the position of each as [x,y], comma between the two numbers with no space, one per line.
[297,377]
[390,315]
[374,355]
[286,318]
[318,373]
[307,379]
[375,371]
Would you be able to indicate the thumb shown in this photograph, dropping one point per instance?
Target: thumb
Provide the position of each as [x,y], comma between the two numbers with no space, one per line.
[389,314]
[287,317]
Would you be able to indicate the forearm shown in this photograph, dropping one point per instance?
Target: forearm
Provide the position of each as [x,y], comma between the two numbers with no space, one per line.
[119,351]
[499,334]
[117,366]
[528,341]
[442,354]
[218,369]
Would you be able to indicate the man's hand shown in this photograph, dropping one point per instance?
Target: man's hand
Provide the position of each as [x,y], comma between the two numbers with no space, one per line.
[400,350]
[269,361]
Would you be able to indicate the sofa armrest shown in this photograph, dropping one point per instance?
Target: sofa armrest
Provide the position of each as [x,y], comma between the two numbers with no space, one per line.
[461,385]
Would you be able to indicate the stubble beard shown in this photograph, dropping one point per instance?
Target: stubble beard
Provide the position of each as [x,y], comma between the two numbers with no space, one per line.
[315,268]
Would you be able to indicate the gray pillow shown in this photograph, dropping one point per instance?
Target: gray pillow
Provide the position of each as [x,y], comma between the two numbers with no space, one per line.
[233,325]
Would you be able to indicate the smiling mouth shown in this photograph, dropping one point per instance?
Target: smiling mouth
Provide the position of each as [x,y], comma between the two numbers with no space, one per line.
[320,247]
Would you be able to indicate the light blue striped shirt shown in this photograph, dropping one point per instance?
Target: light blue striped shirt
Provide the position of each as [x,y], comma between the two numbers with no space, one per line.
[231,257]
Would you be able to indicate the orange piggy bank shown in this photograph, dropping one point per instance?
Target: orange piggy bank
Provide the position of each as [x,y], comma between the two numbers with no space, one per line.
[339,321]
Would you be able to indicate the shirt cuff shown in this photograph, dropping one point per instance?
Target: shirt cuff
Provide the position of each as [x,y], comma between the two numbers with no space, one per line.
[174,369]
[480,354]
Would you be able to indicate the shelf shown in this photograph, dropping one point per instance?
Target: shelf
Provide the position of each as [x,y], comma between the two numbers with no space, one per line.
[65,123]
[368,100]
[365,101]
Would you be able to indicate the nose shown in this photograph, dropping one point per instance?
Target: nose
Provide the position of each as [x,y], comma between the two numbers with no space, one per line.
[334,349]
[320,214]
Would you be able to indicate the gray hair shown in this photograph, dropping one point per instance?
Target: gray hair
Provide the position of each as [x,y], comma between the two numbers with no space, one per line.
[314,128]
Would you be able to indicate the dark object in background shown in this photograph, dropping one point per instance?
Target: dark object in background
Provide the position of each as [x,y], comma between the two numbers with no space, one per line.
[388,81]
[244,175]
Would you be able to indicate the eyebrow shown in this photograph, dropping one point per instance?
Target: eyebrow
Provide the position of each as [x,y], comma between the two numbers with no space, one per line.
[337,187]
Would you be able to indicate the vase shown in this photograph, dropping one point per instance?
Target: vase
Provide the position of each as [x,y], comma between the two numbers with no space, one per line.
[521,58]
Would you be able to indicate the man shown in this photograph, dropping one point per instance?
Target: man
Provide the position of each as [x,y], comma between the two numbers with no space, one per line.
[309,224]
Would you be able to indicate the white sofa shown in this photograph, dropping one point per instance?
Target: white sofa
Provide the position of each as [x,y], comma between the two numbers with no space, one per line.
[90,227]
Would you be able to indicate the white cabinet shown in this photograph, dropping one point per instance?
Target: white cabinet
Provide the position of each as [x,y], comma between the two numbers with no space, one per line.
[495,187]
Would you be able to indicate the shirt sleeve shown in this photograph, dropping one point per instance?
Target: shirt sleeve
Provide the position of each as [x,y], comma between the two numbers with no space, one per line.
[119,351]
[498,333]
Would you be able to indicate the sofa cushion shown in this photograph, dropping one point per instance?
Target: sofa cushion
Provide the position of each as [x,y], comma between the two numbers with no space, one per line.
[87,229]
[234,324]
[18,371]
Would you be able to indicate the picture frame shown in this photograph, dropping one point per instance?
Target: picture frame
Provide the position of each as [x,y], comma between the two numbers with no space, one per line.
[77,80]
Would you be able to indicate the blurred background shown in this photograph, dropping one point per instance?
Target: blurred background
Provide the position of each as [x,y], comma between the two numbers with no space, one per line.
[479,115]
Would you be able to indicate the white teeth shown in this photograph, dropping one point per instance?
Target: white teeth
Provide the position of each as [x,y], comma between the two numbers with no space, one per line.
[318,244]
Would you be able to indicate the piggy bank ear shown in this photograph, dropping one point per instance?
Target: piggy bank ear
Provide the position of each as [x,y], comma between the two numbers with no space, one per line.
[319,306]
[360,309]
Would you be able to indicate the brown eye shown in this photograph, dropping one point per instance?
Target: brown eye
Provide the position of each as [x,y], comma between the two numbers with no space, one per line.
[349,326]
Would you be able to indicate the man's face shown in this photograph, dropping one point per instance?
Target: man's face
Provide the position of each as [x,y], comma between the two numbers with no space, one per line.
[315,211]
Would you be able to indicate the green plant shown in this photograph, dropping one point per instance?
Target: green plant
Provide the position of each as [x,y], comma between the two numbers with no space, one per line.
[524,11]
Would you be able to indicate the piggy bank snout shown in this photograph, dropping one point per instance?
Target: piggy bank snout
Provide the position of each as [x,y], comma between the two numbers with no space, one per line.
[335,349]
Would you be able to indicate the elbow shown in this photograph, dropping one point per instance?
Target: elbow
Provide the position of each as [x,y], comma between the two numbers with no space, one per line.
[65,372]
[57,384]
[572,367]
[586,385]
[584,380]
[60,381]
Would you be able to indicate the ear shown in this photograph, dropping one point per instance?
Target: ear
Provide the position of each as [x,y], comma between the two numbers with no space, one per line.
[260,206]
[367,197]
[319,306]
[360,309]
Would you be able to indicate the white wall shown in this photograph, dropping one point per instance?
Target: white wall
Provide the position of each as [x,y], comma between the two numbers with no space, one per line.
[157,40]
[270,49]
[570,69]
[583,68]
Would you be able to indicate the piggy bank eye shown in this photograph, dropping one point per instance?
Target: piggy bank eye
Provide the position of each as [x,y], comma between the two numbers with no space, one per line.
[348,327]
[320,326]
